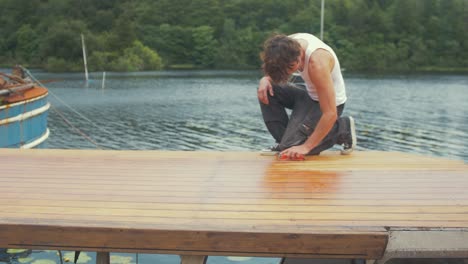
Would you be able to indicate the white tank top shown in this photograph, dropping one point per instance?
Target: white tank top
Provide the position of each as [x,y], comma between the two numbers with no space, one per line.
[314,43]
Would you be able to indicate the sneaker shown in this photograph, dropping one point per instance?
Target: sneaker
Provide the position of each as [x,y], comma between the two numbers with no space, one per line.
[350,141]
[271,151]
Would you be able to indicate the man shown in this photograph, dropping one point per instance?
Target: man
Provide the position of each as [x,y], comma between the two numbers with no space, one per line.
[315,123]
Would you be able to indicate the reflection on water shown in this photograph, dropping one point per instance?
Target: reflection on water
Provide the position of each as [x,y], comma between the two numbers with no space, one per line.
[218,110]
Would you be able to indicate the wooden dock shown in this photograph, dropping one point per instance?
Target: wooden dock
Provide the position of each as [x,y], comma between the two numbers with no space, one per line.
[366,205]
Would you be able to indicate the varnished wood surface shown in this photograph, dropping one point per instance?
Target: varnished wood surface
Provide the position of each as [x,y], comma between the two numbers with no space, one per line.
[25,95]
[220,202]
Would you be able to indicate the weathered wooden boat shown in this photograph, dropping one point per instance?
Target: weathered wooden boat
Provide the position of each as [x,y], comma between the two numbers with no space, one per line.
[23,111]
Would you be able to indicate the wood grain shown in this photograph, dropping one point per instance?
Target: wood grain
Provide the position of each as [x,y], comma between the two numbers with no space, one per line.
[219,203]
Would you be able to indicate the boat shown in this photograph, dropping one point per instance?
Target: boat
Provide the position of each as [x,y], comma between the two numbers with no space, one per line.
[23,111]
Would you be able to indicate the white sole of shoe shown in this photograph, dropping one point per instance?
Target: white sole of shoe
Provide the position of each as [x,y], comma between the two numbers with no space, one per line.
[353,137]
[268,153]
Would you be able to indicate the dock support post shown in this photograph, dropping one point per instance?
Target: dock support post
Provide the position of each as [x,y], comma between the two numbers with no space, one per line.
[189,259]
[416,243]
[102,258]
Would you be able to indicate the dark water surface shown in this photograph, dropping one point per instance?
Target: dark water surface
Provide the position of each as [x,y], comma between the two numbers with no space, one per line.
[218,110]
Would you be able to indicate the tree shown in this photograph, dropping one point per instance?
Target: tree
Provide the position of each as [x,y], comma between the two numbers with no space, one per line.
[63,40]
[205,46]
[384,35]
[27,44]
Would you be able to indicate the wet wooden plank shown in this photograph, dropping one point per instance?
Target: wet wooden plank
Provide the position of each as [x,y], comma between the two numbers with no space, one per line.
[219,203]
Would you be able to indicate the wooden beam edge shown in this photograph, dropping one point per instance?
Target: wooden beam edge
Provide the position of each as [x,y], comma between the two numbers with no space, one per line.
[368,245]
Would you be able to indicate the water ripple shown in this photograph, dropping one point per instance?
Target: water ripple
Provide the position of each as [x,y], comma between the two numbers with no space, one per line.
[211,110]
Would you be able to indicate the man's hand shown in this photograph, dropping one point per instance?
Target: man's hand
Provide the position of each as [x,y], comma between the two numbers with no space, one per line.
[296,152]
[264,88]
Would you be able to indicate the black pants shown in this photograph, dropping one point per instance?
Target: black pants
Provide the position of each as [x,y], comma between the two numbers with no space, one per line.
[294,130]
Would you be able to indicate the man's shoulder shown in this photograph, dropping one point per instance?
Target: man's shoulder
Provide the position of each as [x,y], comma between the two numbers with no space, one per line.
[321,59]
[321,54]
[300,34]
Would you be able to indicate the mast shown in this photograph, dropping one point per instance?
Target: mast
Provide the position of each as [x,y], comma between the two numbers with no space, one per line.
[321,19]
[84,58]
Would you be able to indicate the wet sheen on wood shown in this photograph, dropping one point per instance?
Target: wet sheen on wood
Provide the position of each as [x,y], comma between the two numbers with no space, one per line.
[219,203]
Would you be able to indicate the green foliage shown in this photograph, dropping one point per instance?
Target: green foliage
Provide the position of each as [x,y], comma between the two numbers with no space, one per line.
[125,35]
[204,46]
[63,40]
[55,64]
[143,58]
[239,47]
[135,58]
[174,43]
[101,61]
[27,44]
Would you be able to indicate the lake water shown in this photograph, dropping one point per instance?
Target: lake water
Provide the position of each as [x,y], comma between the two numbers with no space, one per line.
[218,110]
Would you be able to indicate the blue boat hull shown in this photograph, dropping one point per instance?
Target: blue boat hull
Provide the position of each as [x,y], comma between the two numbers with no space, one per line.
[23,124]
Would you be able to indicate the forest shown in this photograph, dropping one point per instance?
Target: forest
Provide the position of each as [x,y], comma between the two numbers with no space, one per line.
[129,35]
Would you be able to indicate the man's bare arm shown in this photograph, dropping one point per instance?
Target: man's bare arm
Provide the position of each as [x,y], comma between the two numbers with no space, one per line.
[320,66]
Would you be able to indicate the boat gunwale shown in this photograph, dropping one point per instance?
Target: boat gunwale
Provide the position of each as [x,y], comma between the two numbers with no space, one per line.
[9,105]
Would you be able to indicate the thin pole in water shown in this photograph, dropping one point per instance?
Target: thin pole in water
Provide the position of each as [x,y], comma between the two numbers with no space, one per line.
[321,19]
[84,58]
[103,80]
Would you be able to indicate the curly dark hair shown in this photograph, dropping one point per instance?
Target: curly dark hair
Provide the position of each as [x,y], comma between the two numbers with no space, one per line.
[280,52]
